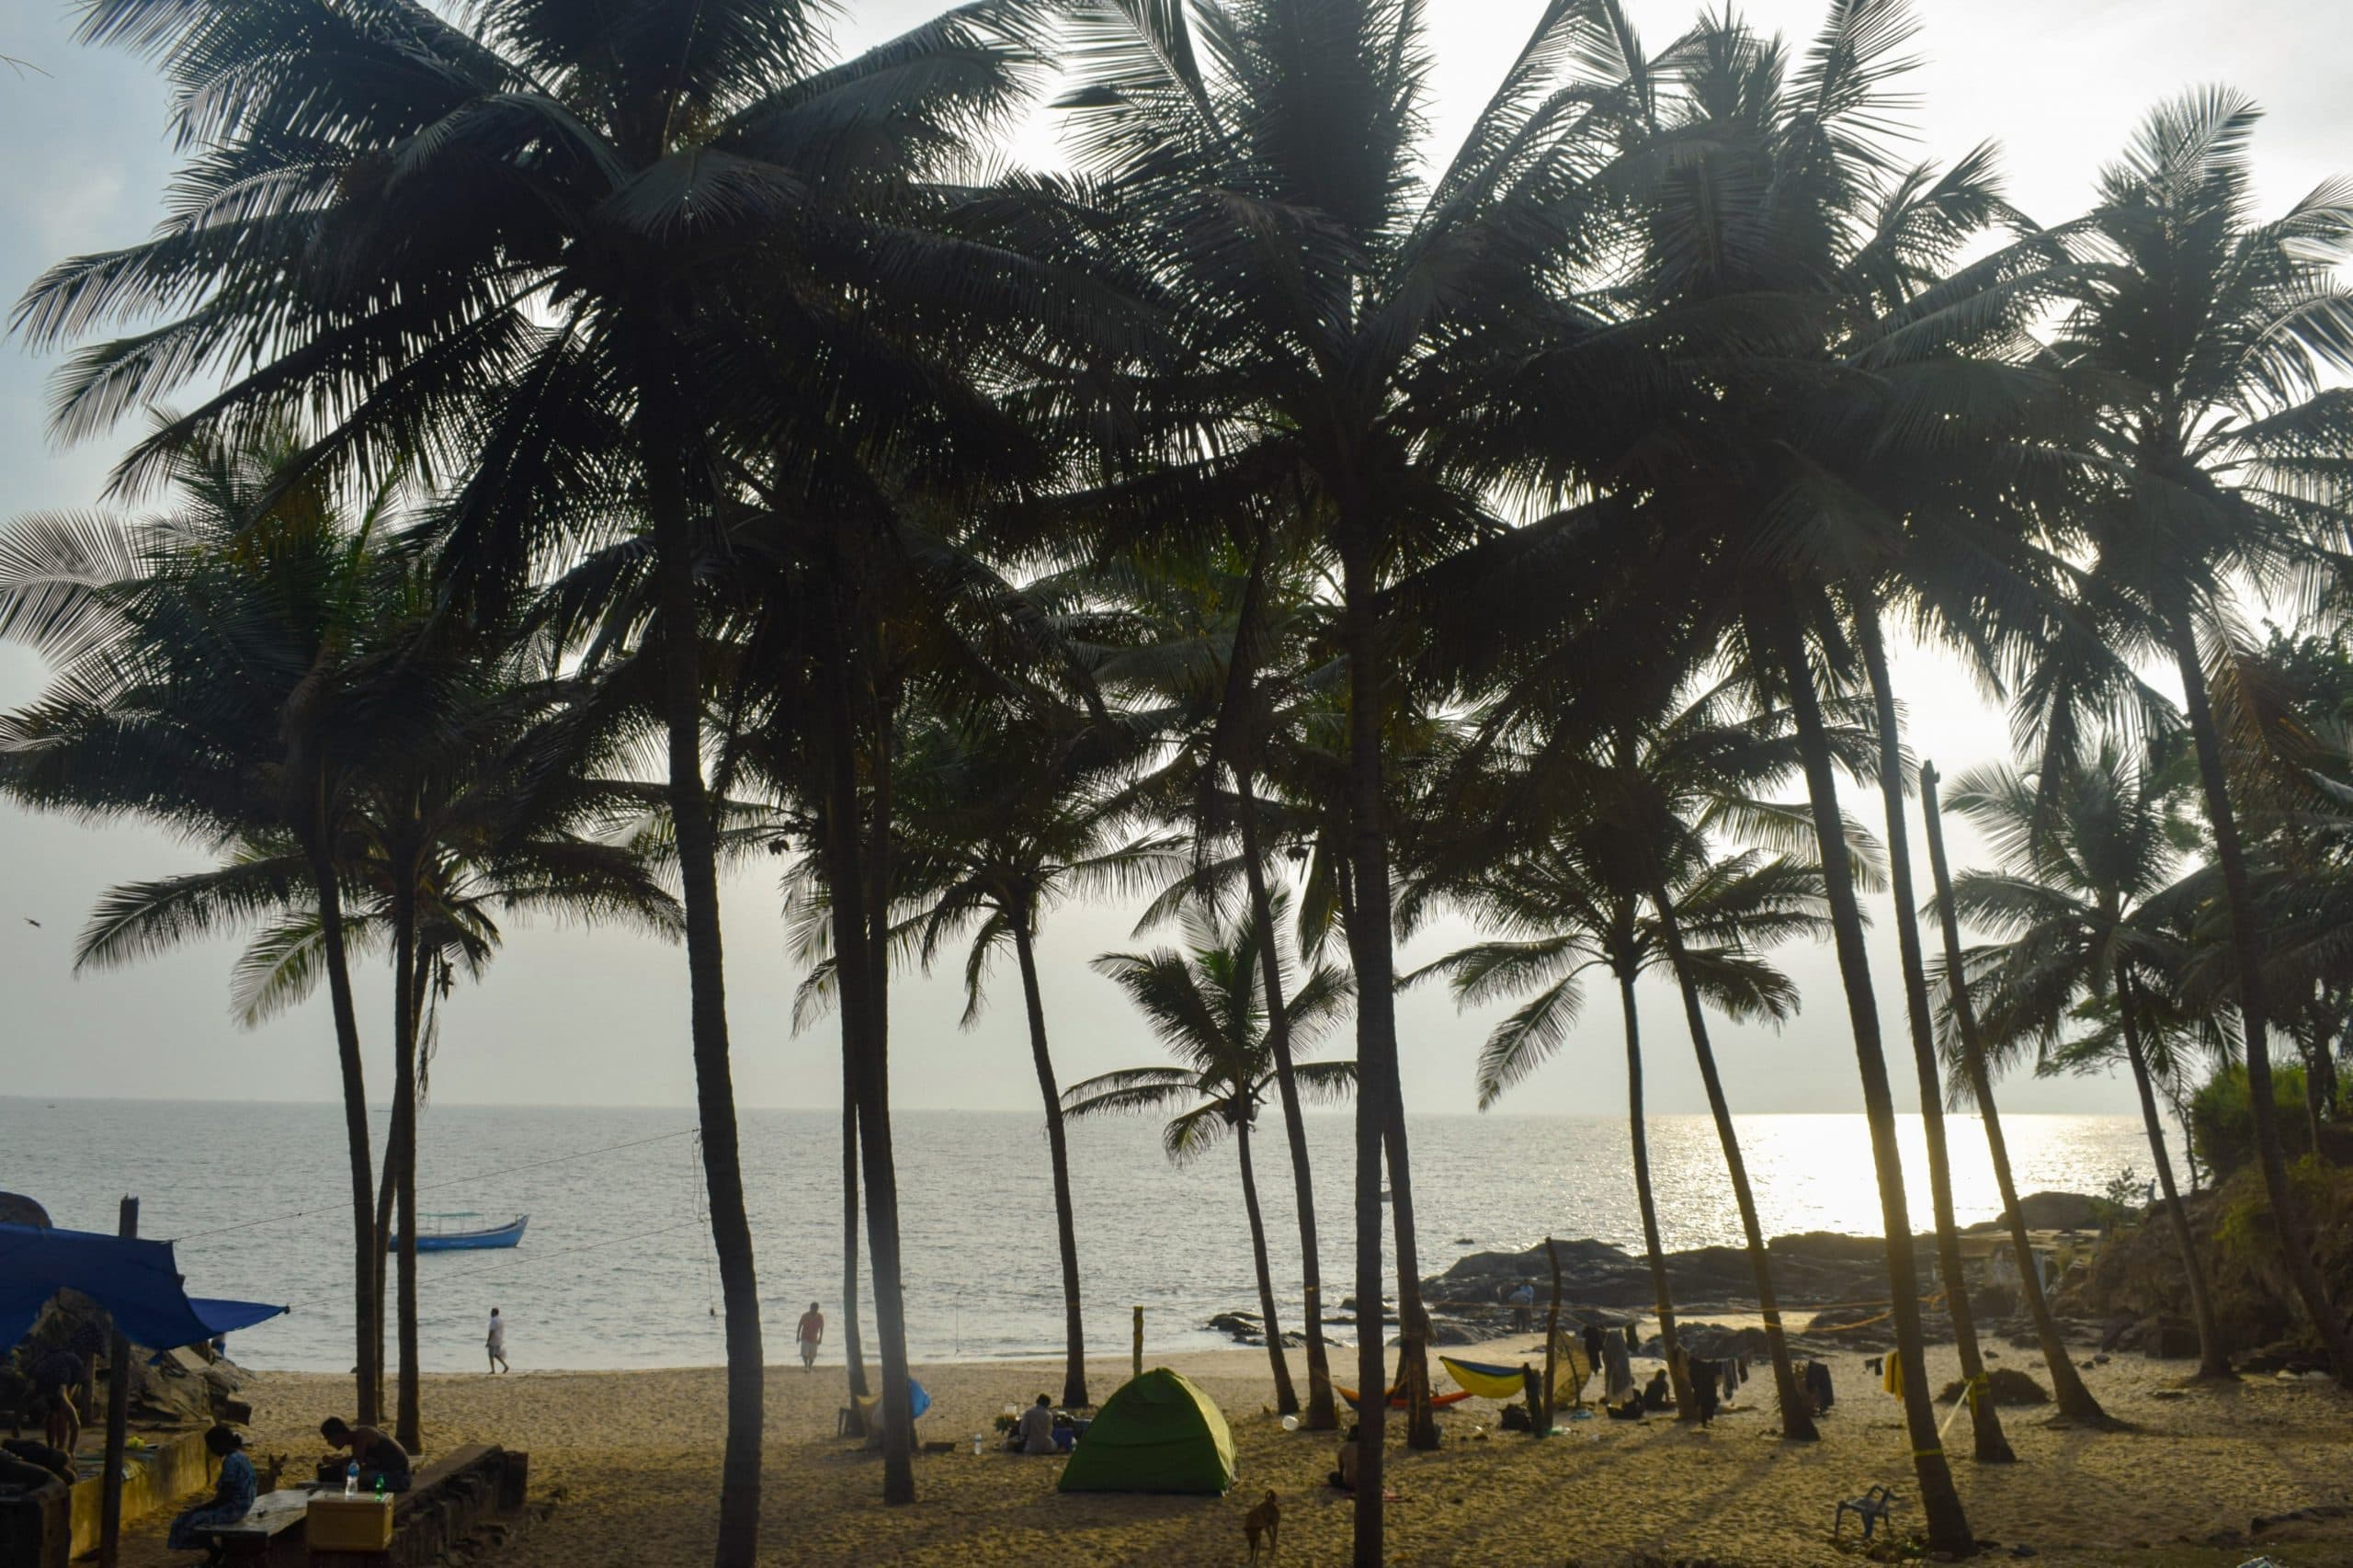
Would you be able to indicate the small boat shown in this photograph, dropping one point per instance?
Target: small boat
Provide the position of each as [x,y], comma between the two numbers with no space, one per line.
[445,1232]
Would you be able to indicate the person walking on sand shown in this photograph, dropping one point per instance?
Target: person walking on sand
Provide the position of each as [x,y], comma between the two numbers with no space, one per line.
[496,1344]
[812,1334]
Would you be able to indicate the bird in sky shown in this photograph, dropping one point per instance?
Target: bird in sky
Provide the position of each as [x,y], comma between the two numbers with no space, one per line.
[31,922]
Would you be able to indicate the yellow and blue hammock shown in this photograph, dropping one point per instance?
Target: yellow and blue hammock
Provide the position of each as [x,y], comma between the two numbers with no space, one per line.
[1570,1371]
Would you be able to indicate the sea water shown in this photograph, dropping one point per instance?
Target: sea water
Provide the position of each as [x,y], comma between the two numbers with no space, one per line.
[617,1269]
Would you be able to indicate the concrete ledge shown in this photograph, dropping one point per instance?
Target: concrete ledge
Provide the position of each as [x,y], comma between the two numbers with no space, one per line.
[160,1475]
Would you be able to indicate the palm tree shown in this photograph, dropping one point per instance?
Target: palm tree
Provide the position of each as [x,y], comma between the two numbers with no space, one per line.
[488,820]
[1208,1005]
[1222,650]
[1001,822]
[1577,903]
[2080,901]
[1831,400]
[537,245]
[212,669]
[1260,164]
[2206,336]
[1986,1418]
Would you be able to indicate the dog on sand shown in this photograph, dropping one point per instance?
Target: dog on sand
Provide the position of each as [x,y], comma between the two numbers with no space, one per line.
[1267,1520]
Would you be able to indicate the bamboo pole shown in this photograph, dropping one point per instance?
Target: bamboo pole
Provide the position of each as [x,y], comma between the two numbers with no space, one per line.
[118,1420]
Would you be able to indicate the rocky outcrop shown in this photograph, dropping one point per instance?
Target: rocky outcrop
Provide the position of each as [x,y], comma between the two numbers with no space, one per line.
[2049,1211]
[2135,1275]
[1833,1286]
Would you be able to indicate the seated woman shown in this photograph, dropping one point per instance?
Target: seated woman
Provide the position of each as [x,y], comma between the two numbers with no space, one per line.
[1658,1395]
[382,1463]
[1632,1409]
[232,1495]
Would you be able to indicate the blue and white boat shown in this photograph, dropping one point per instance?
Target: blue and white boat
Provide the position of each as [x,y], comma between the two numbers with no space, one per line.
[453,1233]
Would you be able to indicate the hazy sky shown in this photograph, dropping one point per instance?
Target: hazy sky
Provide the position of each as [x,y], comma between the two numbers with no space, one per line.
[570,1016]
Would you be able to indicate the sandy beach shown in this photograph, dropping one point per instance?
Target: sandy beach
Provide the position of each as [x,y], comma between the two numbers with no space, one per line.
[631,1460]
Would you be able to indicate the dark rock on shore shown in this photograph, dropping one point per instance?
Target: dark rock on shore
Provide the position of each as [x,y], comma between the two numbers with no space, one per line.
[1832,1284]
[2048,1211]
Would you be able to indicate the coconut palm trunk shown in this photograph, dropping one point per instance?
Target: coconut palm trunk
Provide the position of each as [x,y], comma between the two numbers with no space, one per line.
[848,885]
[2246,947]
[1321,1414]
[731,1229]
[368,1241]
[1413,1318]
[1663,1299]
[853,1350]
[2212,1360]
[1369,947]
[401,1150]
[1940,1501]
[1986,1420]
[2074,1400]
[1286,1397]
[1058,1150]
[1796,1409]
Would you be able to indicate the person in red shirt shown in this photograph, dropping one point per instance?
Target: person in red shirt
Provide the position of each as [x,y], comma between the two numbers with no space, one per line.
[812,1334]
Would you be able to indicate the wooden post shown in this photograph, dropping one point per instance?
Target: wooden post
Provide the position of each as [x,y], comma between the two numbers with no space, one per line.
[1552,1331]
[117,1419]
[1135,1357]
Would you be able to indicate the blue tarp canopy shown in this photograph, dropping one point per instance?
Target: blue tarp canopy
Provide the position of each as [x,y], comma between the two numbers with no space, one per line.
[138,1281]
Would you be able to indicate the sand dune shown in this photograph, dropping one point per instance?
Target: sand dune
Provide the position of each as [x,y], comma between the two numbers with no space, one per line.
[636,1456]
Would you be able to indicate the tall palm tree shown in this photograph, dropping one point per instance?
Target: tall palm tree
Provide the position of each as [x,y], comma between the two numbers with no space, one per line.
[1208,1004]
[1260,162]
[2086,861]
[2208,335]
[214,671]
[1578,905]
[1001,821]
[536,246]
[1992,1446]
[1826,404]
[490,818]
[1223,650]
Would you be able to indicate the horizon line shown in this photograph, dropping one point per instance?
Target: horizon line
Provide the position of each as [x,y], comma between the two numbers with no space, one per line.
[375,1108]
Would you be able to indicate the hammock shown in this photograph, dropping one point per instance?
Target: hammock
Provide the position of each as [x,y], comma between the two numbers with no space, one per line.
[1397,1394]
[1483,1380]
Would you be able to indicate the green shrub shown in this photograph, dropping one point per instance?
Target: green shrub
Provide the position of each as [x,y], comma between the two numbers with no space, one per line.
[2222,1121]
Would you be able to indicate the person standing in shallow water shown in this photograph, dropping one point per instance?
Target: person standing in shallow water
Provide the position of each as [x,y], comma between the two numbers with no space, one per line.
[812,1335]
[496,1344]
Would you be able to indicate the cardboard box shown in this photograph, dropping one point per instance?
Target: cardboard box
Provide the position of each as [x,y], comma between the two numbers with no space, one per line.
[337,1523]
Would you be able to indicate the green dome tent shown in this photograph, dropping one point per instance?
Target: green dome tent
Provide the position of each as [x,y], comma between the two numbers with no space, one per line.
[1157,1434]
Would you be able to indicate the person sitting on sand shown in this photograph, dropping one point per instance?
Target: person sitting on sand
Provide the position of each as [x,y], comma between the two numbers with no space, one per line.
[1034,1433]
[232,1495]
[1657,1394]
[57,1461]
[1345,1478]
[1632,1409]
[383,1463]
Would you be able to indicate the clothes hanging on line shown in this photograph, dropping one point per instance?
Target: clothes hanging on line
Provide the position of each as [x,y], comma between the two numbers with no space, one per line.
[1707,1379]
[1618,1370]
[1817,1385]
